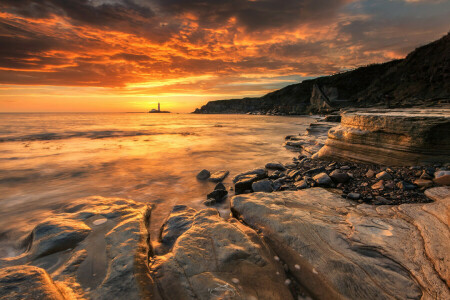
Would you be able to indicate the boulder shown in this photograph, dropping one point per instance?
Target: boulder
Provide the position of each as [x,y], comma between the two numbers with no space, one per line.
[217,259]
[403,137]
[203,174]
[348,251]
[339,176]
[94,247]
[218,176]
[262,186]
[442,178]
[423,183]
[217,195]
[275,166]
[259,173]
[323,179]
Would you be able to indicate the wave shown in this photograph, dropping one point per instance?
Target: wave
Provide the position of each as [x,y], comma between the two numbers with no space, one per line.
[102,134]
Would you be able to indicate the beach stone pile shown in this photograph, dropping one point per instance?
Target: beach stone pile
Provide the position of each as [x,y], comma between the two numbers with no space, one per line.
[364,183]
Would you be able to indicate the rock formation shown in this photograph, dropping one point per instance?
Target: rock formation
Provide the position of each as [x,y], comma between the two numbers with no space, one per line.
[338,250]
[215,259]
[390,137]
[421,79]
[92,248]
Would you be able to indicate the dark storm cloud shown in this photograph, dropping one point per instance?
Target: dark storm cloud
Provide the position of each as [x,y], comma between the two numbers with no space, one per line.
[255,15]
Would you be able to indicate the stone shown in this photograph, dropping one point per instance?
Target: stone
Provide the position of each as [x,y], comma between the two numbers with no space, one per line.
[220,186]
[370,173]
[390,185]
[353,196]
[339,176]
[217,195]
[348,251]
[259,173]
[290,165]
[275,166]
[378,186]
[314,171]
[217,259]
[245,183]
[262,186]
[394,137]
[406,186]
[426,175]
[90,259]
[28,282]
[323,179]
[345,168]
[384,176]
[203,174]
[442,178]
[276,184]
[423,183]
[218,176]
[302,184]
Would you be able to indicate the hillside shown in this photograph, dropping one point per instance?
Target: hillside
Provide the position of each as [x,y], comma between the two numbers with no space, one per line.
[422,78]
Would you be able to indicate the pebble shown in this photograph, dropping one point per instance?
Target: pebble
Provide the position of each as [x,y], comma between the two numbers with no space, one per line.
[235,280]
[287,281]
[276,258]
[314,271]
[297,267]
[384,175]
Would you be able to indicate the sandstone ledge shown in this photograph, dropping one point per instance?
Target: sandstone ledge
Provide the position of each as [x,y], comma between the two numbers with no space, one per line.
[390,137]
[348,251]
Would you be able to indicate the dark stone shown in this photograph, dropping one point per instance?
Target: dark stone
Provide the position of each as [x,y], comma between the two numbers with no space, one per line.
[406,186]
[219,176]
[220,186]
[262,186]
[275,166]
[353,196]
[203,174]
[245,183]
[323,179]
[217,195]
[314,171]
[339,177]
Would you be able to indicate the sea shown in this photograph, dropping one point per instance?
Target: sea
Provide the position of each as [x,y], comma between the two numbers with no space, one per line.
[50,159]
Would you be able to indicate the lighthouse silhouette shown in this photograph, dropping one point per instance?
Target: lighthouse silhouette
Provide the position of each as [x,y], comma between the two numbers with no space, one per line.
[159,107]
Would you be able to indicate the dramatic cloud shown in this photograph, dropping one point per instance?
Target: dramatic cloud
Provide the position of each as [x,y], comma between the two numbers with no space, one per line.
[217,49]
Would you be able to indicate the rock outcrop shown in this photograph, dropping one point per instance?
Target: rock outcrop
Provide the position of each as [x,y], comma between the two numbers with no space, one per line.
[390,137]
[339,250]
[421,79]
[93,248]
[207,257]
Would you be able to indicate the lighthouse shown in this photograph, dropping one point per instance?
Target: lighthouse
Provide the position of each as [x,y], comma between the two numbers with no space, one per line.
[159,107]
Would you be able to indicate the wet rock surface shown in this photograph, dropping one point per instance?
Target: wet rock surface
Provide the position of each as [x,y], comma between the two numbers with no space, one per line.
[27,282]
[92,248]
[218,259]
[339,250]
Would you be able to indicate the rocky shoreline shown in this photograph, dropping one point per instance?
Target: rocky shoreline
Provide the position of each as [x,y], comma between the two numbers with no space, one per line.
[306,229]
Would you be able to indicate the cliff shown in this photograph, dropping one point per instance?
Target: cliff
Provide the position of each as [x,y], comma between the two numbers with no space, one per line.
[422,78]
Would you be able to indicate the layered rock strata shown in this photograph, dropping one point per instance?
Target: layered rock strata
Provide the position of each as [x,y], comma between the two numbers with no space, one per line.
[390,137]
[339,250]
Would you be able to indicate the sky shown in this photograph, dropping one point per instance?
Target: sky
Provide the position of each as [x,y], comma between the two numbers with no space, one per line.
[127,55]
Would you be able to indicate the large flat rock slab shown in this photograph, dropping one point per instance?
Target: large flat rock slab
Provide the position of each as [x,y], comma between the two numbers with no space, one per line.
[92,248]
[207,257]
[390,137]
[339,250]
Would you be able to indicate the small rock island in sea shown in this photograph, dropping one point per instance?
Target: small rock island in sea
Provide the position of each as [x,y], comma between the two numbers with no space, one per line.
[158,111]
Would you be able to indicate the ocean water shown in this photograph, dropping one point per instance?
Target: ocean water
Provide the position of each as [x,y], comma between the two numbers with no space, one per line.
[47,160]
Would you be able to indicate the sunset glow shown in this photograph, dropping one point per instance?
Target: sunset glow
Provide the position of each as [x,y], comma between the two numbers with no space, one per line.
[114,55]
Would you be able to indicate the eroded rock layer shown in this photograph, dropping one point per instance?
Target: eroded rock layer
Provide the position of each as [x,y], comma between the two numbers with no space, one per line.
[390,137]
[93,248]
[204,256]
[339,250]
